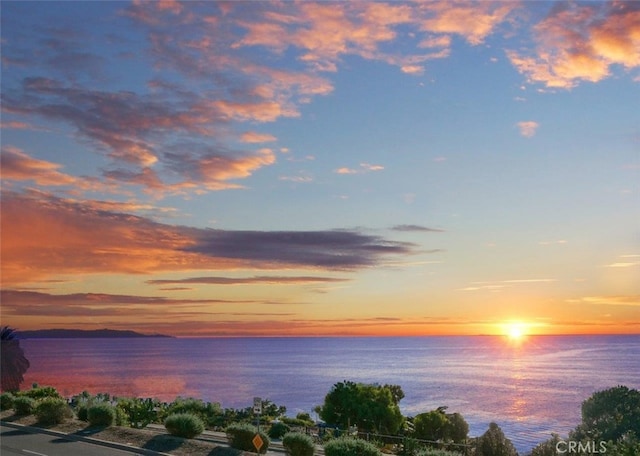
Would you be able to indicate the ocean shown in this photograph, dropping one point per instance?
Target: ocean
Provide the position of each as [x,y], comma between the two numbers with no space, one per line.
[530,389]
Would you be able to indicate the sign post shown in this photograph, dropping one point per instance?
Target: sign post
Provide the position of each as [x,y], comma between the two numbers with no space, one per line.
[257,410]
[257,442]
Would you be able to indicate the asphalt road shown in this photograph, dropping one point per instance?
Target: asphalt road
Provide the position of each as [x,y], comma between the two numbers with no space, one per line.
[15,442]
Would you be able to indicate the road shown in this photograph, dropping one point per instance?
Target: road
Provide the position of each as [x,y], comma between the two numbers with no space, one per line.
[15,442]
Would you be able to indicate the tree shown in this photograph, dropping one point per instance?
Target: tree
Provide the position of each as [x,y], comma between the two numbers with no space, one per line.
[13,362]
[430,426]
[437,425]
[494,443]
[370,407]
[457,428]
[610,414]
[548,447]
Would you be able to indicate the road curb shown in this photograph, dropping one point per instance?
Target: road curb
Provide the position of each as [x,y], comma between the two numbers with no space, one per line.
[81,438]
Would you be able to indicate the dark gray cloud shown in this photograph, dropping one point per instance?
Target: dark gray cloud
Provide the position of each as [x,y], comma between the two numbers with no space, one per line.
[416,228]
[269,280]
[337,249]
[12,299]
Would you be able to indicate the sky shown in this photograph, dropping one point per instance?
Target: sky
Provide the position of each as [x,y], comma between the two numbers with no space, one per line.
[321,168]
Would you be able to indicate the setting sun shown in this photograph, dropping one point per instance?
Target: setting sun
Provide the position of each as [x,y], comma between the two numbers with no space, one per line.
[515,330]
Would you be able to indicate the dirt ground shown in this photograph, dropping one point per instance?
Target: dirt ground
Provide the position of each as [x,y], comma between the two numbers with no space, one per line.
[141,438]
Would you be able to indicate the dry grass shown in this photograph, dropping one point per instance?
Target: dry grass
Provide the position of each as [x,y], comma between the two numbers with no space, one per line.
[141,438]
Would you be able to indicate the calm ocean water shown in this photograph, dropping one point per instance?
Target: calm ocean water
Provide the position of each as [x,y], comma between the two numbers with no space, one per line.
[530,390]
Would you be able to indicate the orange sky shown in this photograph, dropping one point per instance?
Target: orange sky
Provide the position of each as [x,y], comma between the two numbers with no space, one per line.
[313,168]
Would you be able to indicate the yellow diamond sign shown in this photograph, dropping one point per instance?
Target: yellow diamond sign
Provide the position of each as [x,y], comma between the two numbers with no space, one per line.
[257,442]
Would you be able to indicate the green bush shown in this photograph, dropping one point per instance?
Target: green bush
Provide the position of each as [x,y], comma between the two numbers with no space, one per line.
[297,444]
[210,413]
[6,401]
[350,447]
[101,414]
[23,405]
[52,410]
[434,452]
[138,412]
[81,411]
[40,392]
[185,425]
[241,435]
[278,430]
[121,417]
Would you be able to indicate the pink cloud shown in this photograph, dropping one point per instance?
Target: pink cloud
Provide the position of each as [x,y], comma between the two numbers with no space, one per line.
[16,125]
[472,20]
[528,128]
[18,166]
[364,168]
[581,42]
[255,137]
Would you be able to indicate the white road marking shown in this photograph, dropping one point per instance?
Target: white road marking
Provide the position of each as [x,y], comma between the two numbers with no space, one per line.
[35,453]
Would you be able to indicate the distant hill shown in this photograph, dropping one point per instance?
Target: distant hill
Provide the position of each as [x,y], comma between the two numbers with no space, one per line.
[82,334]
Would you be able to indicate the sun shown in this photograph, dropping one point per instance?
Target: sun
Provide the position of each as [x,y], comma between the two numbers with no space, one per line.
[515,330]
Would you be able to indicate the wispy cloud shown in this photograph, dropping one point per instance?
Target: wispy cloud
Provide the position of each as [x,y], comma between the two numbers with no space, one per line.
[18,166]
[416,228]
[266,280]
[626,261]
[528,128]
[362,169]
[17,125]
[255,137]
[496,286]
[609,300]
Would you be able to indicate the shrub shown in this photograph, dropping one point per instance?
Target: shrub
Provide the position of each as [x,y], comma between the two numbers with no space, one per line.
[278,430]
[434,452]
[81,411]
[40,392]
[121,417]
[138,412]
[350,447]
[6,401]
[23,405]
[101,414]
[185,425]
[494,443]
[297,444]
[52,410]
[241,435]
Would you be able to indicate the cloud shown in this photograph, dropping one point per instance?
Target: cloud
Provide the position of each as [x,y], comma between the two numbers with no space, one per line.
[255,137]
[610,300]
[18,166]
[213,167]
[268,280]
[497,286]
[581,42]
[17,125]
[301,178]
[44,236]
[364,168]
[322,249]
[623,264]
[472,20]
[528,128]
[105,305]
[325,32]
[416,228]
